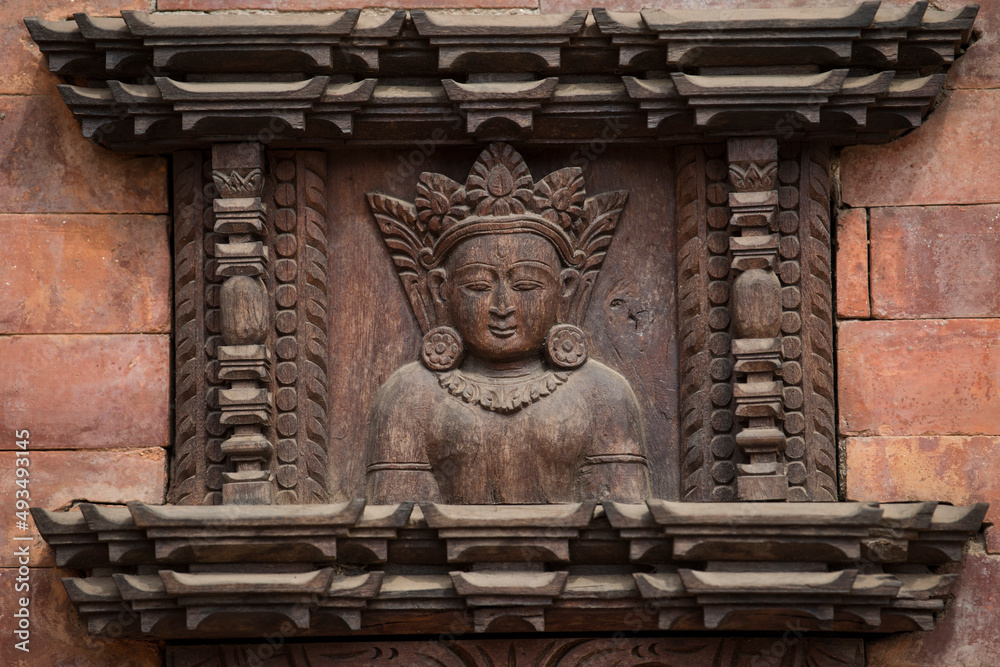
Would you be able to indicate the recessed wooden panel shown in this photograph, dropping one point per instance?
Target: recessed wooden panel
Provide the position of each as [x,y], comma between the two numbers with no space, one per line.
[630,325]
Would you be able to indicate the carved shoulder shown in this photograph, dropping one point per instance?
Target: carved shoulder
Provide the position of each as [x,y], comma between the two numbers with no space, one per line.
[397,465]
[615,465]
[609,387]
[617,416]
[401,403]
[408,386]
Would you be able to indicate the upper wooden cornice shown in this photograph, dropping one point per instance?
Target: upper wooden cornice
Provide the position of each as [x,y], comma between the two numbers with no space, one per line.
[155,82]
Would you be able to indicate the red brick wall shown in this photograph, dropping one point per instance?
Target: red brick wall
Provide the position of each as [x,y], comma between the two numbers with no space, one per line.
[918,346]
[85,318]
[84,330]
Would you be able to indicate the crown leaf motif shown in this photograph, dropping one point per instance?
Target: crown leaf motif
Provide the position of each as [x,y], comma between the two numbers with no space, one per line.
[499,197]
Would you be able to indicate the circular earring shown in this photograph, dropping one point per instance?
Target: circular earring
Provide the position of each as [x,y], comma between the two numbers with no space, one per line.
[442,348]
[566,346]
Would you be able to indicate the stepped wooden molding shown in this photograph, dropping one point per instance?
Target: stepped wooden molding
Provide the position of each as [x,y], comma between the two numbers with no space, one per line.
[156,82]
[231,570]
[655,428]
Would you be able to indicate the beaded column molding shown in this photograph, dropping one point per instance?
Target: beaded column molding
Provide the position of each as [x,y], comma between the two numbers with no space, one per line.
[756,309]
[244,356]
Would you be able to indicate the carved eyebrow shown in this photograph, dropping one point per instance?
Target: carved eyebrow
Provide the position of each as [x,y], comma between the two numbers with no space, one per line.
[532,262]
[476,265]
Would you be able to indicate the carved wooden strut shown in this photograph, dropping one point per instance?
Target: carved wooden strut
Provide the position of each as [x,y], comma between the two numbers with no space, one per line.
[245,310]
[756,306]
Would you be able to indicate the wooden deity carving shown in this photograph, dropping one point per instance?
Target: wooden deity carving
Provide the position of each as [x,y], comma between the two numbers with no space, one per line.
[504,406]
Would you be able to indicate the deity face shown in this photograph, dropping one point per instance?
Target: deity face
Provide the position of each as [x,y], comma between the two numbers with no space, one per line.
[502,293]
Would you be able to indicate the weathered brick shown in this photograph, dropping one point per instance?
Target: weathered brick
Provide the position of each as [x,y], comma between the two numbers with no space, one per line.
[57,478]
[86,392]
[852,263]
[966,636]
[952,159]
[941,261]
[993,539]
[50,167]
[25,71]
[955,469]
[59,637]
[84,274]
[327,5]
[979,67]
[919,377]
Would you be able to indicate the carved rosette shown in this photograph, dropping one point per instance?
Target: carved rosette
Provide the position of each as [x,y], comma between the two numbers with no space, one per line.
[245,310]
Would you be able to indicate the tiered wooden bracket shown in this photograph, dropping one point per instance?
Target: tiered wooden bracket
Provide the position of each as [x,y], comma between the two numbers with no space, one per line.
[331,569]
[160,82]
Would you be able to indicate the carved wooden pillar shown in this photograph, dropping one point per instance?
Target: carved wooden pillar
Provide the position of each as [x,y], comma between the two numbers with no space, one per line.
[244,304]
[757,316]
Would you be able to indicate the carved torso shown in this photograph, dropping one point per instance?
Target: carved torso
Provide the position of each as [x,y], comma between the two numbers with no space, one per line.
[576,442]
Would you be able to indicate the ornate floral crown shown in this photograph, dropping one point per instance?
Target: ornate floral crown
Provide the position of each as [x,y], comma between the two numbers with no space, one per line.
[499,197]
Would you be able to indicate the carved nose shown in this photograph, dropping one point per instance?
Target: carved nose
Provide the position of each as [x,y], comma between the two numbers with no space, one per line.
[501,311]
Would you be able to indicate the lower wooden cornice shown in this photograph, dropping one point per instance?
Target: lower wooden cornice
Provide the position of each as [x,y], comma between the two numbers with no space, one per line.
[234,571]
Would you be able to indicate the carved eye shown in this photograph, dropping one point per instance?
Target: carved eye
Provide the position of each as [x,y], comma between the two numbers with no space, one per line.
[478,287]
[527,285]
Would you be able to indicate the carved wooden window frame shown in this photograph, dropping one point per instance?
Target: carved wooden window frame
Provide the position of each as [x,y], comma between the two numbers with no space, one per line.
[707,201]
[750,130]
[751,100]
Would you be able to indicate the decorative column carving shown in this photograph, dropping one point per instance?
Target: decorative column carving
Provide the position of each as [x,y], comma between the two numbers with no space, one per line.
[757,312]
[245,306]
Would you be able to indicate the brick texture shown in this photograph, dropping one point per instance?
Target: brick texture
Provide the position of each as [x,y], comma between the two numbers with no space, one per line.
[50,167]
[919,377]
[83,392]
[852,263]
[941,261]
[327,5]
[57,478]
[84,274]
[952,159]
[979,67]
[25,71]
[58,637]
[966,636]
[955,469]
